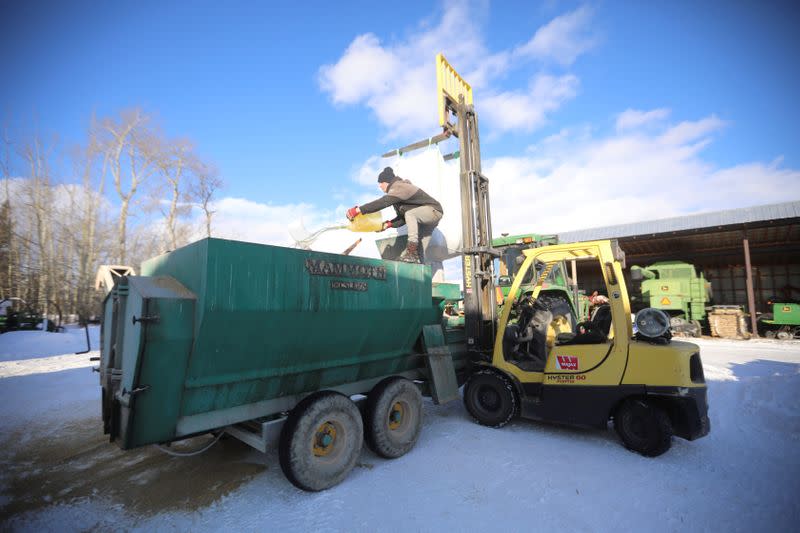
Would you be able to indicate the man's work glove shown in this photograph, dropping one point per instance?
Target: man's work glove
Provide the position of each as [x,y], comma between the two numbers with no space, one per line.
[352,213]
[386,225]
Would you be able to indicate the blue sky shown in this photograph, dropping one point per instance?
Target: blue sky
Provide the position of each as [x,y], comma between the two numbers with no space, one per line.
[293,103]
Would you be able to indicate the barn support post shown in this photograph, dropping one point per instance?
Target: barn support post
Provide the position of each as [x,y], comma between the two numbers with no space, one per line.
[751,302]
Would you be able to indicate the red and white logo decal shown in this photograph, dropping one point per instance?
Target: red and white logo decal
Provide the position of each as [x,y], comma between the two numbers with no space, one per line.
[566,362]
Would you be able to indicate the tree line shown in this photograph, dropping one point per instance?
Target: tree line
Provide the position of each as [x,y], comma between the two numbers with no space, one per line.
[127,193]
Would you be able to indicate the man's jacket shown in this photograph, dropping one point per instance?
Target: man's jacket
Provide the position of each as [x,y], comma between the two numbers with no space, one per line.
[403,196]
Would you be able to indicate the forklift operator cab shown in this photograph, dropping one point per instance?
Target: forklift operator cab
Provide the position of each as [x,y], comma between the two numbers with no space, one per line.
[533,330]
[525,350]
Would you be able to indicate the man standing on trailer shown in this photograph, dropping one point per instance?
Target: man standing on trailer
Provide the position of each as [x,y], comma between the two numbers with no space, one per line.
[414,207]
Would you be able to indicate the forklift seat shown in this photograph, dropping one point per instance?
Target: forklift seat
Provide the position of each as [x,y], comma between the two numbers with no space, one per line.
[601,319]
[595,331]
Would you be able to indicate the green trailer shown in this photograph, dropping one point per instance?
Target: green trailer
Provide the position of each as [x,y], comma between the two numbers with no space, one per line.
[224,334]
[782,323]
[675,288]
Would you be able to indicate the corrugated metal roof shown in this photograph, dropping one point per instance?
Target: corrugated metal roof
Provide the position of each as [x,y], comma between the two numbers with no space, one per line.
[714,219]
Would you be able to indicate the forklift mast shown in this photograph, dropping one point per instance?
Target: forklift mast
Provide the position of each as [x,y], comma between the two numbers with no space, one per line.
[457,117]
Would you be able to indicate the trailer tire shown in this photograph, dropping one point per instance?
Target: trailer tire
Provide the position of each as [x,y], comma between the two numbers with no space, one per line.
[490,398]
[643,427]
[393,417]
[321,441]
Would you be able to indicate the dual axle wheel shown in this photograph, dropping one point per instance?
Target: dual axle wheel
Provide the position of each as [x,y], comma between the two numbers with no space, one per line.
[322,437]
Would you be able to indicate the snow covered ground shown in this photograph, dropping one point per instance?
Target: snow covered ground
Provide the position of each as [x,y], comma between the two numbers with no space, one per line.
[58,472]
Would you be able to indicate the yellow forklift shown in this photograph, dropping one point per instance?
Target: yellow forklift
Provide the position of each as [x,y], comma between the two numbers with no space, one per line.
[650,386]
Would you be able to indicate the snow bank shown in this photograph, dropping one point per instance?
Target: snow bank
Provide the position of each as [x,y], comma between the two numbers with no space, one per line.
[16,345]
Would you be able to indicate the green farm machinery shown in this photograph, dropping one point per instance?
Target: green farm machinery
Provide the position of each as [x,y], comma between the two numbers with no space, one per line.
[16,314]
[563,300]
[675,288]
[782,323]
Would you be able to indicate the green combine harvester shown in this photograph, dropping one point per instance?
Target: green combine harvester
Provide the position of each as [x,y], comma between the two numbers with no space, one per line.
[675,288]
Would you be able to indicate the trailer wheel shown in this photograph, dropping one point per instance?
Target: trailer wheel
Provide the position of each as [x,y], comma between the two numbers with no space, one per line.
[643,427]
[393,418]
[321,441]
[490,398]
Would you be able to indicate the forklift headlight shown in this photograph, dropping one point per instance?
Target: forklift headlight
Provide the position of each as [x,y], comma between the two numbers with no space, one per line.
[652,323]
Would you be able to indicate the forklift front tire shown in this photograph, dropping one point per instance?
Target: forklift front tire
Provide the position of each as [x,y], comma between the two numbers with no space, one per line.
[643,427]
[490,398]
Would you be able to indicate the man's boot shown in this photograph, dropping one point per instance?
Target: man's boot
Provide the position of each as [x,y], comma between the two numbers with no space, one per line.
[410,254]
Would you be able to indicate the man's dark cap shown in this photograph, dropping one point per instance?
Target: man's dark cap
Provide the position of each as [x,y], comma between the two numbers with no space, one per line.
[386,175]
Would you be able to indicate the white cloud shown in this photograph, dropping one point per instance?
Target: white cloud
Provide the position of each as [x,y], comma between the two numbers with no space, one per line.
[367,173]
[397,81]
[561,40]
[691,131]
[754,184]
[528,110]
[365,68]
[577,181]
[245,220]
[633,118]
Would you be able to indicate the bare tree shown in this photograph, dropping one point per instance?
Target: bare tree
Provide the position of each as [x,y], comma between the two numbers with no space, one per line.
[89,200]
[204,186]
[128,145]
[7,251]
[39,199]
[175,159]
[6,256]
[56,220]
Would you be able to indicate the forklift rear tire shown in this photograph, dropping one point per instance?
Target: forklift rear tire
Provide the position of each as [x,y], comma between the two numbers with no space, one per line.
[321,441]
[643,427]
[393,418]
[490,398]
